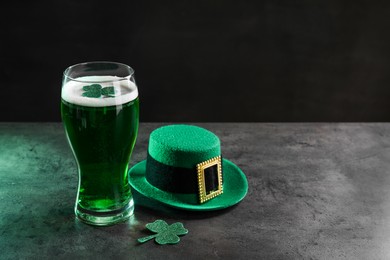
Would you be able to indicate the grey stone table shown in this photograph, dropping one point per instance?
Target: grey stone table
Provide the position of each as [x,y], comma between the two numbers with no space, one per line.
[316,191]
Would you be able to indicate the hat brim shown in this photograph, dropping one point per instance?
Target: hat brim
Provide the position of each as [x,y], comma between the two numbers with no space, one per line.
[235,187]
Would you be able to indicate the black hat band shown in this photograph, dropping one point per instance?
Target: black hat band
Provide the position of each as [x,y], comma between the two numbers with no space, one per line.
[204,179]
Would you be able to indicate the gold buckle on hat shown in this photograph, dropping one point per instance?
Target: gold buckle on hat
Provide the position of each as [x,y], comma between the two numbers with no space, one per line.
[205,195]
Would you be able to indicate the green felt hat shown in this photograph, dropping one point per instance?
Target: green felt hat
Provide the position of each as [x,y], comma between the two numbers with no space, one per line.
[184,169]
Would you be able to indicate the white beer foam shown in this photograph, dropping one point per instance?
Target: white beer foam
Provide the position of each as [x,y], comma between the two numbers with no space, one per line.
[125,91]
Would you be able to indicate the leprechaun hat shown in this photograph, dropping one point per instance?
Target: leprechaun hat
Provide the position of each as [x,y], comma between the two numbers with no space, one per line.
[184,169]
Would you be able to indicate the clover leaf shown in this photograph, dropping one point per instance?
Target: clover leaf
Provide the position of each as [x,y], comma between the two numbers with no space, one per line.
[96,91]
[108,91]
[92,91]
[166,234]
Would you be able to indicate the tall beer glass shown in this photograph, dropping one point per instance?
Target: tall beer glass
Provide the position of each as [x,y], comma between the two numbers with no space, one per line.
[99,108]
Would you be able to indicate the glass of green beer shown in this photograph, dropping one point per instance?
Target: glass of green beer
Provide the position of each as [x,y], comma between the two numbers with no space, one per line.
[100,110]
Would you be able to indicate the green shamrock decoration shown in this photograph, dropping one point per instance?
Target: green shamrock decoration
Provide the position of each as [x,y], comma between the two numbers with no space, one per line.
[96,91]
[166,234]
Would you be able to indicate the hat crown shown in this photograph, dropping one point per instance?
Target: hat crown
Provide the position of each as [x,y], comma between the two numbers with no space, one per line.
[183,145]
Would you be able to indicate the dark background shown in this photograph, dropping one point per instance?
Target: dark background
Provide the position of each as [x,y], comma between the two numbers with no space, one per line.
[206,60]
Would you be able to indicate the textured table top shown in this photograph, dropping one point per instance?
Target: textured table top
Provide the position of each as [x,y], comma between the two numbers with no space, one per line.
[316,191]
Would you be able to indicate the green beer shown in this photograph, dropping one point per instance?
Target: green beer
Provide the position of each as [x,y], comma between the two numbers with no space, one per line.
[101,129]
[102,140]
